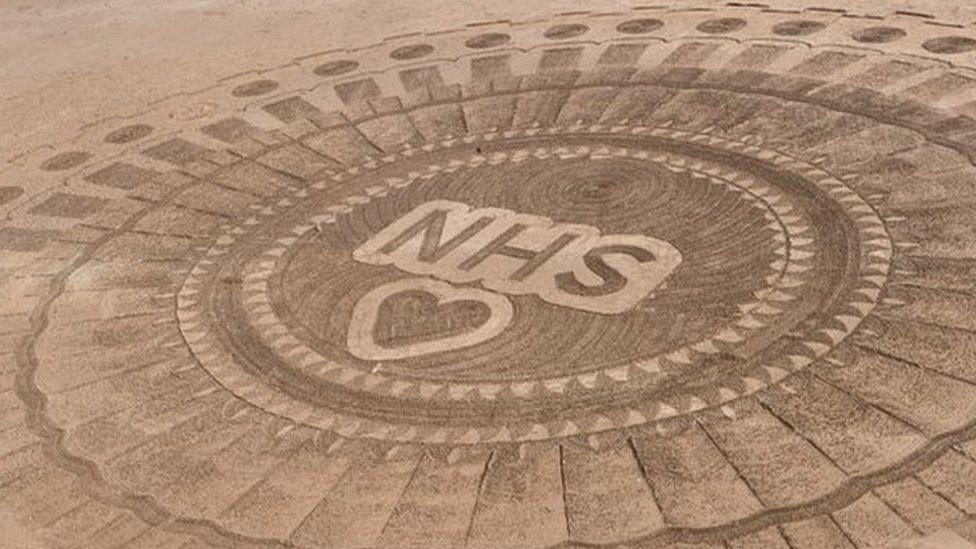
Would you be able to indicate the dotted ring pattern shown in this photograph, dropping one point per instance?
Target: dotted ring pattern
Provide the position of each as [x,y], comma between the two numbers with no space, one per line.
[942,45]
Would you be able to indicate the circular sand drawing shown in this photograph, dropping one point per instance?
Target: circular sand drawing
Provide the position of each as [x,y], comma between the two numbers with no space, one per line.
[647,278]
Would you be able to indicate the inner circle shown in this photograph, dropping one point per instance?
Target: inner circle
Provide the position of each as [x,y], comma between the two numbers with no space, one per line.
[278,256]
[319,284]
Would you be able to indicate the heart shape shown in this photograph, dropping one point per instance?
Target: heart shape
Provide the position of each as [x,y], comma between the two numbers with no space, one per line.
[414,316]
[420,316]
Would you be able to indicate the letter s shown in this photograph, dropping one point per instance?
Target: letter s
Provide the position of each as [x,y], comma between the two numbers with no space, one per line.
[613,281]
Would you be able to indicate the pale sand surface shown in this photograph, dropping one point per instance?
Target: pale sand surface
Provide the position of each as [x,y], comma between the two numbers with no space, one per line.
[488,274]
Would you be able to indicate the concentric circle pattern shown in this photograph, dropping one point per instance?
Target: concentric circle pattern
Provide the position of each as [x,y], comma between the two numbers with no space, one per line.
[651,278]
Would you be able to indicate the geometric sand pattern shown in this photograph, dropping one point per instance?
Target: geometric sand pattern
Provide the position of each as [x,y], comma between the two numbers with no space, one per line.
[190,348]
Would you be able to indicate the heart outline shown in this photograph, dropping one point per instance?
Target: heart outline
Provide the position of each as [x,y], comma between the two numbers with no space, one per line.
[362,344]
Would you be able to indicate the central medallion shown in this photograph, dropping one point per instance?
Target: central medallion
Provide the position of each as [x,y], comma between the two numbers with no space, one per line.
[561,249]
[500,288]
